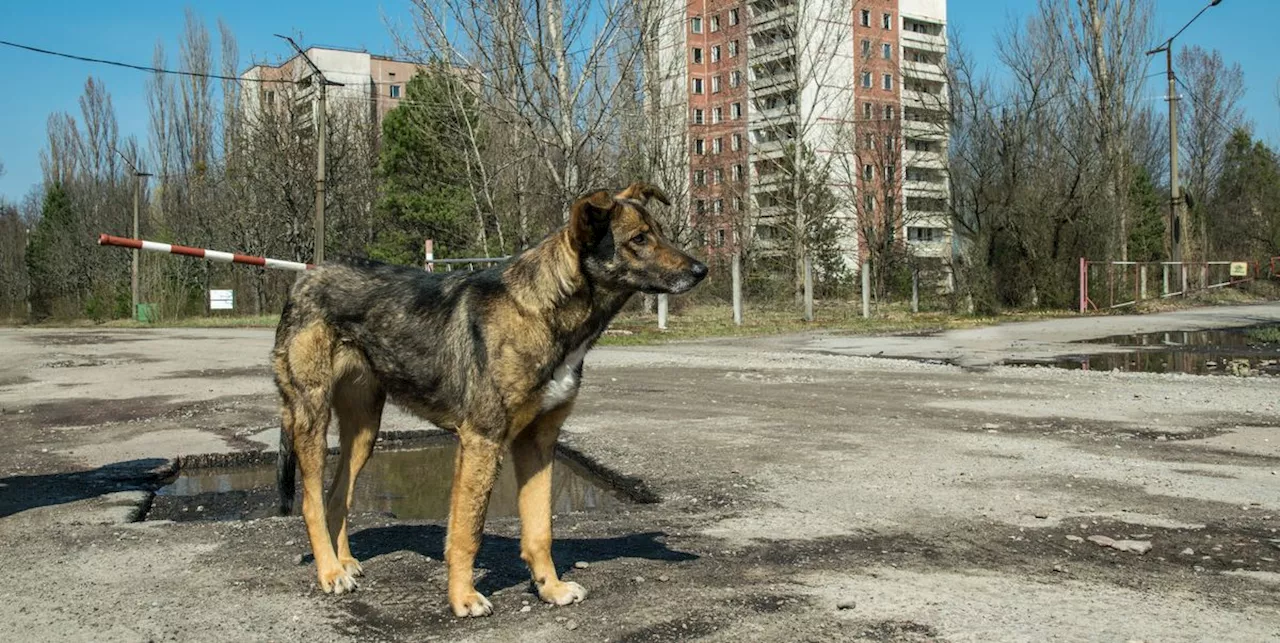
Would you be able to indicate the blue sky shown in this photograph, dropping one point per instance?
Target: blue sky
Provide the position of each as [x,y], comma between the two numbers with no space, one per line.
[37,85]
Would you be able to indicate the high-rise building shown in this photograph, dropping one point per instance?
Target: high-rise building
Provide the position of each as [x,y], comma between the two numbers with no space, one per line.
[853,93]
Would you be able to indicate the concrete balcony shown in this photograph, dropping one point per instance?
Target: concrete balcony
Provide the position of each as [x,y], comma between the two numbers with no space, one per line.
[927,219]
[930,160]
[768,182]
[764,86]
[927,130]
[932,189]
[774,116]
[766,20]
[923,71]
[768,150]
[924,41]
[923,100]
[937,248]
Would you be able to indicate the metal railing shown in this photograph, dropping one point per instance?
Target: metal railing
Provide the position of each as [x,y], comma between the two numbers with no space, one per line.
[1126,283]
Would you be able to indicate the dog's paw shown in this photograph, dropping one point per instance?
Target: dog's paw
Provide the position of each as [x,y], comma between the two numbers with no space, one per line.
[472,604]
[336,581]
[562,593]
[352,566]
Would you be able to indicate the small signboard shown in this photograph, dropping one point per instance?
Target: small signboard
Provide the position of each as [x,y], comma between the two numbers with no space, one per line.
[222,299]
[1239,269]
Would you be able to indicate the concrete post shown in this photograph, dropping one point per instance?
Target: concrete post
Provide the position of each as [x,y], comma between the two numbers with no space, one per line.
[866,289]
[662,312]
[737,288]
[915,291]
[1164,284]
[1142,282]
[808,288]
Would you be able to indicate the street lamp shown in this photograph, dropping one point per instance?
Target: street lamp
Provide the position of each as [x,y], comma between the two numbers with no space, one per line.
[1175,191]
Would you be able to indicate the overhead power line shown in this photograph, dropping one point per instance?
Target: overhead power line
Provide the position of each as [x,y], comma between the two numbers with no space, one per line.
[146,68]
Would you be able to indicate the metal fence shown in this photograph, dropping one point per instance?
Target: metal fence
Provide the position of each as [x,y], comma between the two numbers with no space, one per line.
[1106,285]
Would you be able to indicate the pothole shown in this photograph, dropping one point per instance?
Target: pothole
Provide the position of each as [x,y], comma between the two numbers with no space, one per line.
[408,481]
[1240,351]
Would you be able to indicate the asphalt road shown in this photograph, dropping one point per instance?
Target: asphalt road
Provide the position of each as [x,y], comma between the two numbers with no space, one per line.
[807,493]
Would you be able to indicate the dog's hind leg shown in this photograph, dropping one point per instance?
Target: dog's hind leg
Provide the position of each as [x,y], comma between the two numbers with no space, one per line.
[533,451]
[358,401]
[474,471]
[311,370]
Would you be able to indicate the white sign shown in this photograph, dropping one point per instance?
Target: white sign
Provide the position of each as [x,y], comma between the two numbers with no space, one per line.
[222,299]
[1239,269]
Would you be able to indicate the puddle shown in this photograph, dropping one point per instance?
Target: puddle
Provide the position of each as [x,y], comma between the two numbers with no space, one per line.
[411,484]
[1249,350]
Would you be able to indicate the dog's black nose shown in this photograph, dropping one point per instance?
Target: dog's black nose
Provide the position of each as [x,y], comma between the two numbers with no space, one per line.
[699,269]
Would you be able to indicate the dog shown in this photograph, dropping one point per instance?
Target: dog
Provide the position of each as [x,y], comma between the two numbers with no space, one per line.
[494,356]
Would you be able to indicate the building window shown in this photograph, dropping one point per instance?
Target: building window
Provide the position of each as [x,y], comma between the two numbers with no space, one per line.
[715,24]
[735,110]
[720,237]
[868,172]
[866,79]
[889,174]
[888,112]
[866,17]
[924,234]
[733,48]
[736,142]
[735,78]
[886,50]
[866,48]
[699,146]
[697,55]
[718,176]
[733,17]
[868,204]
[271,98]
[737,204]
[868,142]
[395,91]
[697,85]
[700,206]
[738,171]
[890,142]
[886,20]
[699,177]
[715,54]
[695,24]
[866,111]
[888,204]
[888,81]
[697,117]
[717,206]
[717,115]
[715,84]
[717,146]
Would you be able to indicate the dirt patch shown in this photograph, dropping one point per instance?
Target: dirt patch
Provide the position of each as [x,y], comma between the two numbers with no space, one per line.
[84,412]
[11,381]
[222,373]
[87,361]
[84,339]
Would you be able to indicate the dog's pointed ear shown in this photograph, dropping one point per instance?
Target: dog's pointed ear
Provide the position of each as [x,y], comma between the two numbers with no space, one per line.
[589,215]
[642,192]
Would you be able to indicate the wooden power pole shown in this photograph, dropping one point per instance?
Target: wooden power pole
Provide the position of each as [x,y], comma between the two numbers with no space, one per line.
[322,132]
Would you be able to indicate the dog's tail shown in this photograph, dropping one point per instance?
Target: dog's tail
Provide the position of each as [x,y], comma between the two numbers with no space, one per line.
[286,459]
[286,471]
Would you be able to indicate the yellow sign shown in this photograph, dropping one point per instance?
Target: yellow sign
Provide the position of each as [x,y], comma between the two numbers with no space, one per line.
[1239,269]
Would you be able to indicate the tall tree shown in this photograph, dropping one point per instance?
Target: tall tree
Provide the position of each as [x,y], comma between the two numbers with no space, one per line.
[1247,200]
[423,173]
[1214,90]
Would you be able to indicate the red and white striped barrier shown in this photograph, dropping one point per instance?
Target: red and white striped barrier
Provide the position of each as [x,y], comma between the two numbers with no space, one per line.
[201,253]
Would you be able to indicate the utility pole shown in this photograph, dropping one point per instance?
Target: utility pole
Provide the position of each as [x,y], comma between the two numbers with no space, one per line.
[1175,191]
[138,176]
[322,131]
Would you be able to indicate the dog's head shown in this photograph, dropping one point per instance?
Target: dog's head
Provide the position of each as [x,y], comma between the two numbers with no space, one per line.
[622,247]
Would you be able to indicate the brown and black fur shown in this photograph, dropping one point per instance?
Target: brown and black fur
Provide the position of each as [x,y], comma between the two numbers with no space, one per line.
[493,355]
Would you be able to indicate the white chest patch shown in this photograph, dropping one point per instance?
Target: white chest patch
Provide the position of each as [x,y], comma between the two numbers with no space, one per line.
[564,380]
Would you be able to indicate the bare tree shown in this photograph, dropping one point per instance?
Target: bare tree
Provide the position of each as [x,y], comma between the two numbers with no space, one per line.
[1207,120]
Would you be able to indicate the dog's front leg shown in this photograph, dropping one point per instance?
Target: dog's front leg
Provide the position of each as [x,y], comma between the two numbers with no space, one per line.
[533,452]
[475,469]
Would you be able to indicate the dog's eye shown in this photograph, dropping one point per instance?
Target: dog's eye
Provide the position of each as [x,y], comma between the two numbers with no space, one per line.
[639,239]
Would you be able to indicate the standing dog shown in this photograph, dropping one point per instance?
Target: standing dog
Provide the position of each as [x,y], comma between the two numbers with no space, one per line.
[495,356]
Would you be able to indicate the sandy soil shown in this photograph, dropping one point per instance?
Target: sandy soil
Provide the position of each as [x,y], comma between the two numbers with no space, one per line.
[807,493]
